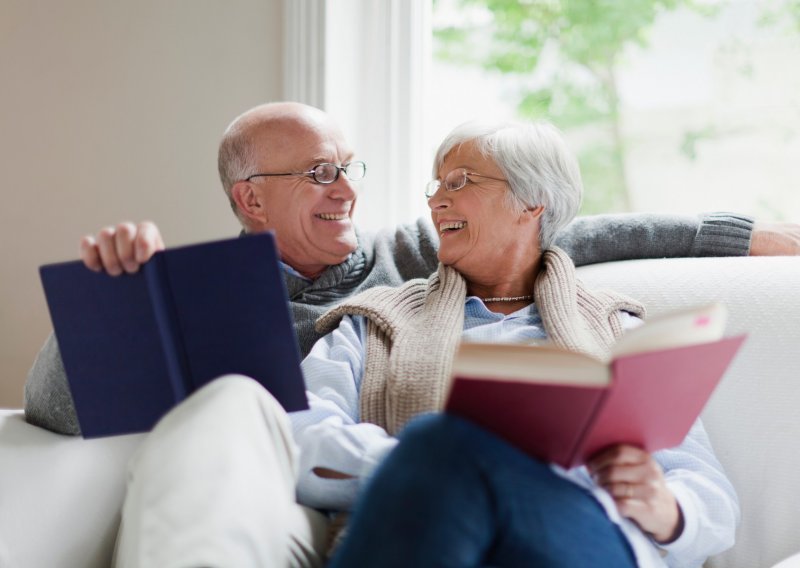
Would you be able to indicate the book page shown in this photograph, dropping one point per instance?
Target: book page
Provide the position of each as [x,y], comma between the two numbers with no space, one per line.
[523,362]
[691,326]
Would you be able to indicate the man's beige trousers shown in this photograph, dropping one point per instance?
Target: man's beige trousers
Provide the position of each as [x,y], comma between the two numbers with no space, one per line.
[213,486]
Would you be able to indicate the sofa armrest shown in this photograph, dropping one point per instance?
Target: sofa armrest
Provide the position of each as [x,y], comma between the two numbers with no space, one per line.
[60,496]
[752,418]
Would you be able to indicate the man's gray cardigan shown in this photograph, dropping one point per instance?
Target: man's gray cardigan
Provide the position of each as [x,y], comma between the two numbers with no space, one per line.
[391,257]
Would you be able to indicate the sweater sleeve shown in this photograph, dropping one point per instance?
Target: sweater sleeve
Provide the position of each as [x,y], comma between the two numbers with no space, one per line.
[605,238]
[48,400]
[404,252]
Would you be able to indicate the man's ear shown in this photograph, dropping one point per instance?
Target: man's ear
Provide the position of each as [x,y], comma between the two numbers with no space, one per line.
[248,201]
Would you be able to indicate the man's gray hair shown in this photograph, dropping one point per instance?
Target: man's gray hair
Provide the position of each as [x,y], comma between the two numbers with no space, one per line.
[535,159]
[236,158]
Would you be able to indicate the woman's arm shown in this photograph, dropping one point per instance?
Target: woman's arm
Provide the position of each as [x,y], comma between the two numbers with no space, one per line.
[706,497]
[679,496]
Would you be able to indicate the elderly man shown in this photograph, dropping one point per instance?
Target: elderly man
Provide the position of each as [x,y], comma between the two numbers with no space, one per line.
[286,167]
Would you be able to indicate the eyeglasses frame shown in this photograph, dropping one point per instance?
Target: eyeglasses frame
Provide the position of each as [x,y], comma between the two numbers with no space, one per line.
[312,173]
[459,188]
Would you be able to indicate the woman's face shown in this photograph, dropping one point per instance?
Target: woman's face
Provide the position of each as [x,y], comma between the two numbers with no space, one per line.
[479,231]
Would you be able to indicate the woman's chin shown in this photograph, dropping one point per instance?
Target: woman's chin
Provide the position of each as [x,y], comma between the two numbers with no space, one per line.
[450,260]
[445,258]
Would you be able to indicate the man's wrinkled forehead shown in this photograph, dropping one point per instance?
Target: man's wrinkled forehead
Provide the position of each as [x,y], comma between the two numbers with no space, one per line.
[304,141]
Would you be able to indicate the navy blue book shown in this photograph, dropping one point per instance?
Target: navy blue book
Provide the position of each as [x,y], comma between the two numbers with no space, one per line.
[135,345]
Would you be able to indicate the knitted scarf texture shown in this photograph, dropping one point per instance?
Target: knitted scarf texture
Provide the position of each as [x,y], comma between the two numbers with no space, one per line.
[413,333]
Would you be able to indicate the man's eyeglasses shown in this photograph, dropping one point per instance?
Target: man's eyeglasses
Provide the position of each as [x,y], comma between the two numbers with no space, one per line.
[326,173]
[454,181]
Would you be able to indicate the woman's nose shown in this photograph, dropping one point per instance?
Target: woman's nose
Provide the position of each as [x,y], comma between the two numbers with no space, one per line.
[439,200]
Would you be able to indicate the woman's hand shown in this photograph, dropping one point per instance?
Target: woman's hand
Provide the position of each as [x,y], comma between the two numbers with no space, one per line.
[636,483]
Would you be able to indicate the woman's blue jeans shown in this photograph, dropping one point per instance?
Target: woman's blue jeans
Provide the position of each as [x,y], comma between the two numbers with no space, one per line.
[453,494]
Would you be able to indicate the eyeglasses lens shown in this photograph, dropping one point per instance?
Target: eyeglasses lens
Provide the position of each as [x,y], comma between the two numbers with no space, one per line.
[455,180]
[326,173]
[329,173]
[355,170]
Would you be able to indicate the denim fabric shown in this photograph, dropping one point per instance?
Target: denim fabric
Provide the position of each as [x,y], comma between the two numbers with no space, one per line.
[452,494]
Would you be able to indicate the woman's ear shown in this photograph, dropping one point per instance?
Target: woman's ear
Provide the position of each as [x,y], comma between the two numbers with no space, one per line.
[248,201]
[535,212]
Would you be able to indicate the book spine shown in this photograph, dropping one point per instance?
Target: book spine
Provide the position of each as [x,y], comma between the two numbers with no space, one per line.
[577,457]
[166,316]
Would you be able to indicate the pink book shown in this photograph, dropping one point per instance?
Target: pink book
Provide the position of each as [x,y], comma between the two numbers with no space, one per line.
[563,407]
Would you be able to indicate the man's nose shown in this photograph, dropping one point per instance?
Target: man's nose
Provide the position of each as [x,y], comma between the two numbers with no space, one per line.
[342,188]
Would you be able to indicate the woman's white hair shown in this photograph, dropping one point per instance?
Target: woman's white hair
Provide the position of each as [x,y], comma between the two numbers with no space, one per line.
[535,159]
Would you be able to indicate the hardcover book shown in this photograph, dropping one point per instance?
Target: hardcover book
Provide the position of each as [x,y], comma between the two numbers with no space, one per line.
[563,407]
[135,345]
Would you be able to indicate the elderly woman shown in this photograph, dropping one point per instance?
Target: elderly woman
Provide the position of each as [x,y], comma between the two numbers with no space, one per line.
[450,493]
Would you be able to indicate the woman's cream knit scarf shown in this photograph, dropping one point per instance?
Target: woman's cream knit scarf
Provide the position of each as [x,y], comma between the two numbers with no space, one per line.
[413,332]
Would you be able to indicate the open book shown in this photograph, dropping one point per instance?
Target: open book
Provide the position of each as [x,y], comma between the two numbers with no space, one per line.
[563,407]
[135,345]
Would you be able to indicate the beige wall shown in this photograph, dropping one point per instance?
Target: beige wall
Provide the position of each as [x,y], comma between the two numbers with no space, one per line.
[112,111]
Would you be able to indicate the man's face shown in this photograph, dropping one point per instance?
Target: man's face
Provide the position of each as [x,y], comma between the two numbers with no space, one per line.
[312,221]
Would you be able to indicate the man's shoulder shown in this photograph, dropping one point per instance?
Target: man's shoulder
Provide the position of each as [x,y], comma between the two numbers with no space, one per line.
[412,247]
[409,234]
[400,253]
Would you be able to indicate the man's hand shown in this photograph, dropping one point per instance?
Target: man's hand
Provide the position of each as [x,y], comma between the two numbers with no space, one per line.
[122,248]
[636,483]
[775,239]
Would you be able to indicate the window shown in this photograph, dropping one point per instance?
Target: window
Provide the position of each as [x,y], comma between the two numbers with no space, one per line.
[366,63]
[671,106]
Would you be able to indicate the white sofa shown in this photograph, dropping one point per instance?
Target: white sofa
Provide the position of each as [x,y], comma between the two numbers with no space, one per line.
[60,496]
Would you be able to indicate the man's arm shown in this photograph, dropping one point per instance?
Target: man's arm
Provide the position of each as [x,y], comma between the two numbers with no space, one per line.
[338,454]
[775,239]
[605,238]
[48,400]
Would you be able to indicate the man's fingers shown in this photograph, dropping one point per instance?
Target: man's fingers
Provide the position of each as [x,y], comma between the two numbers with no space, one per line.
[108,251]
[775,239]
[89,253]
[123,248]
[123,242]
[148,241]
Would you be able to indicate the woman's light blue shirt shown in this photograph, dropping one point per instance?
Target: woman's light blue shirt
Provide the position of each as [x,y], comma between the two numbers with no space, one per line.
[329,435]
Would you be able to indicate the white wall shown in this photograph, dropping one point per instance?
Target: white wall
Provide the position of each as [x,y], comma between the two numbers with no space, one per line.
[112,111]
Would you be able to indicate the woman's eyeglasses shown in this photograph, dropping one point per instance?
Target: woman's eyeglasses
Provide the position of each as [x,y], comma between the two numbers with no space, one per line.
[454,181]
